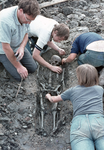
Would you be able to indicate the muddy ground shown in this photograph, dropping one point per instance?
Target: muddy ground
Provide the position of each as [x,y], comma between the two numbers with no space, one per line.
[27,120]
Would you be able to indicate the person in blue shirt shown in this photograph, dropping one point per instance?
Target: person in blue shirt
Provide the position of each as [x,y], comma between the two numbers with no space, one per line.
[90,46]
[87,126]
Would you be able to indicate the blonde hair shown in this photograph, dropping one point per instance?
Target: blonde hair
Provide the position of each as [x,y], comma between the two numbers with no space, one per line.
[87,75]
[62,30]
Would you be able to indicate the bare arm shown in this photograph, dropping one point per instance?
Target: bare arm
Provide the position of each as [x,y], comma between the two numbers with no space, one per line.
[53,99]
[70,58]
[20,51]
[55,47]
[38,58]
[10,55]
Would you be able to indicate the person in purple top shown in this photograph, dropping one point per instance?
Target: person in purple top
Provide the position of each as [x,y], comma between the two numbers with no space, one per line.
[87,126]
[90,46]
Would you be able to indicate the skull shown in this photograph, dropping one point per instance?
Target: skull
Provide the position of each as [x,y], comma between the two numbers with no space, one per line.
[55,60]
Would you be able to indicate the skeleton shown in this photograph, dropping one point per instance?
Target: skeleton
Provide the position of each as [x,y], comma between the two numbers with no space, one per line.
[42,111]
[55,60]
[62,80]
[54,108]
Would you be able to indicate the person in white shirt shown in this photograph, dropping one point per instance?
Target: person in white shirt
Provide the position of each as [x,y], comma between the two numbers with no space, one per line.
[46,30]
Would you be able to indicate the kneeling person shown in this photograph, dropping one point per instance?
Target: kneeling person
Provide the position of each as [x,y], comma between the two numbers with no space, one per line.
[90,46]
[46,30]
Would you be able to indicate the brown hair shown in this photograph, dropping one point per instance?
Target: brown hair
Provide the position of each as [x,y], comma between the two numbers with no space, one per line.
[30,7]
[62,30]
[87,75]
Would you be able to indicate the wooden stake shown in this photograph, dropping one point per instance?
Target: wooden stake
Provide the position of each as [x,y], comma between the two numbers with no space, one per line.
[19,87]
[53,2]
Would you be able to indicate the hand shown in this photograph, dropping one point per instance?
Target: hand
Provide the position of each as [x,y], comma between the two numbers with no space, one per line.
[61,51]
[47,96]
[19,54]
[22,71]
[56,69]
[64,61]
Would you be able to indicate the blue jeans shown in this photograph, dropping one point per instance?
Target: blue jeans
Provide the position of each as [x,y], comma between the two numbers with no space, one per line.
[87,132]
[27,61]
[92,57]
[31,46]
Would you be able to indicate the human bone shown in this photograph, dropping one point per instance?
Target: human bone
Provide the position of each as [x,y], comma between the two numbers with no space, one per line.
[55,60]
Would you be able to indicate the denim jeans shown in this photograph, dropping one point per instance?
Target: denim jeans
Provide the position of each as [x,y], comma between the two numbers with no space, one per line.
[87,132]
[92,57]
[27,61]
[31,46]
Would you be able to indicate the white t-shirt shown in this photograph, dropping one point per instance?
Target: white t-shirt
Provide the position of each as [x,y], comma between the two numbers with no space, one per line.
[42,27]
